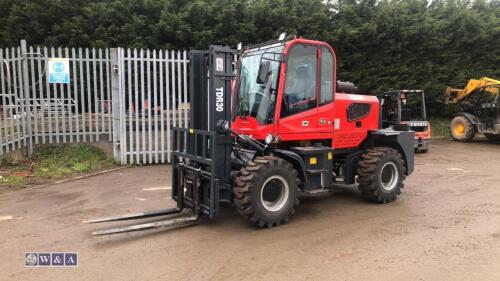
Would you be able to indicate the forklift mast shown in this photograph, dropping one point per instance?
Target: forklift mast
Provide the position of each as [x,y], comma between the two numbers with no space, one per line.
[210,99]
[204,145]
[201,162]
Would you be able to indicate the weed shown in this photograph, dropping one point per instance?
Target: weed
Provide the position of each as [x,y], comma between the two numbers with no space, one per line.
[53,162]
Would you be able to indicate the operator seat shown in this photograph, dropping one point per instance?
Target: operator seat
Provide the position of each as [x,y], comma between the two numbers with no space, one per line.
[300,95]
[302,83]
[305,82]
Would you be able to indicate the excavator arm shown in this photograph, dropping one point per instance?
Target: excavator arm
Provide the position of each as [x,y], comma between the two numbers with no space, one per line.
[454,95]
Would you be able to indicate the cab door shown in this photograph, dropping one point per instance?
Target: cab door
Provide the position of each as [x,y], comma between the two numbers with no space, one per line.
[326,120]
[298,114]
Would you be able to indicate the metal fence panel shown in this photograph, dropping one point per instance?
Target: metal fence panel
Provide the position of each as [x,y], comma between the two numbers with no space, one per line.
[154,93]
[36,112]
[151,97]
[13,118]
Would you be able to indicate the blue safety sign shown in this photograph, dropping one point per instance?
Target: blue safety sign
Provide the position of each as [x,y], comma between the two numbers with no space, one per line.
[58,70]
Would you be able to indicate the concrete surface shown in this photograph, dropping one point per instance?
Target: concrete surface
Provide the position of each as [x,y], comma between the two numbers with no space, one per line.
[445,226]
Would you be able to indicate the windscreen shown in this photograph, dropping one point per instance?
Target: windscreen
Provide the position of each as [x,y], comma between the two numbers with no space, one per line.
[252,98]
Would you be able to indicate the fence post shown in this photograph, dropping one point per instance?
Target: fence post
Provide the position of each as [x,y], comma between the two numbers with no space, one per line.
[115,103]
[26,101]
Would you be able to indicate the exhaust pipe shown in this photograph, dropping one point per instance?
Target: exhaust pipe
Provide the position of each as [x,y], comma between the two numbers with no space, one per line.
[346,87]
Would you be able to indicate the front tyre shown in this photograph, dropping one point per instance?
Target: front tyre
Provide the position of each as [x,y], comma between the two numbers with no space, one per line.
[381,173]
[462,129]
[266,191]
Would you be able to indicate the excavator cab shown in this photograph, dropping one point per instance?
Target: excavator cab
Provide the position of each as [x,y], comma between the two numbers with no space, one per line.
[407,107]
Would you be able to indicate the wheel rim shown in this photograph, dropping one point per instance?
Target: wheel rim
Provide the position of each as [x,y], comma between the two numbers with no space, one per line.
[459,129]
[389,176]
[274,194]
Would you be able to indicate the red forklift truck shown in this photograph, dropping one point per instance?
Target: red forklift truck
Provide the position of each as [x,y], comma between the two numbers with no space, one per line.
[407,107]
[288,129]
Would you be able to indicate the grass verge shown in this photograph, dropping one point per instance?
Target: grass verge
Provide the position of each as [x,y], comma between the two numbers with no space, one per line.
[53,162]
[440,127]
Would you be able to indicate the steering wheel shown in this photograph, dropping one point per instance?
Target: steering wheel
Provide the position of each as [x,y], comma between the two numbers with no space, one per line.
[259,93]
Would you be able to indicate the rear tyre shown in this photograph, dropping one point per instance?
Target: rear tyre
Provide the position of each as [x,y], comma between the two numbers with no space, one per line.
[462,129]
[266,191]
[492,137]
[381,173]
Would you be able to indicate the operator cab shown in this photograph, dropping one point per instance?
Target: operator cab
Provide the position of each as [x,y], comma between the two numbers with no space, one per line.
[487,104]
[402,106]
[287,89]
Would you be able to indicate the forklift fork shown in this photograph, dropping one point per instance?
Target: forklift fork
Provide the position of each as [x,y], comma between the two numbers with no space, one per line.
[167,222]
[170,222]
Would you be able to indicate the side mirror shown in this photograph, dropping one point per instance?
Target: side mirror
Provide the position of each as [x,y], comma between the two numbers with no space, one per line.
[263,72]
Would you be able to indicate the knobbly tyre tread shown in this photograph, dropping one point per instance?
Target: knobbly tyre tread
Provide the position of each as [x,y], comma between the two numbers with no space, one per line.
[367,168]
[469,136]
[245,183]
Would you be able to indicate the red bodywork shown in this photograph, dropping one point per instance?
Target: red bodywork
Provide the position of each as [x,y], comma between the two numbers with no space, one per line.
[421,135]
[325,122]
[425,135]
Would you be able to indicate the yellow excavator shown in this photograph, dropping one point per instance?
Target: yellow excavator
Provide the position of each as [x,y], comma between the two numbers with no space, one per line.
[480,109]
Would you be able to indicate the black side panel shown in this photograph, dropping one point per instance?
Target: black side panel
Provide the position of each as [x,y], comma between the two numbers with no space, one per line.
[403,141]
[350,163]
[318,161]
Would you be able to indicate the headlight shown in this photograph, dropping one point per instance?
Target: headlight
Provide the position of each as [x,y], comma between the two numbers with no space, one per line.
[269,139]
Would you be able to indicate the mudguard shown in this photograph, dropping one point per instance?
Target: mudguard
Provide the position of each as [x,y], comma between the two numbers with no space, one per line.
[404,141]
[472,118]
[296,161]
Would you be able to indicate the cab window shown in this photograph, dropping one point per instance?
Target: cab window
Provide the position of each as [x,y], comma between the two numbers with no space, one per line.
[300,84]
[327,66]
